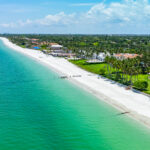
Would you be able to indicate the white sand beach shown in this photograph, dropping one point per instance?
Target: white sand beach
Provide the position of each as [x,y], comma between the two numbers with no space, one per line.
[126,100]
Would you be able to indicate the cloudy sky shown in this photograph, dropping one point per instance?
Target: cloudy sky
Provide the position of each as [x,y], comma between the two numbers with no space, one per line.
[75,16]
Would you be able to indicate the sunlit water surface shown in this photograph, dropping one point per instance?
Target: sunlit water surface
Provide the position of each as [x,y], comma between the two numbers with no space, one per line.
[39,111]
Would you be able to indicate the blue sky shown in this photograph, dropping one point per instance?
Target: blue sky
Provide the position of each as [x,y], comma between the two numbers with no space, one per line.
[75,16]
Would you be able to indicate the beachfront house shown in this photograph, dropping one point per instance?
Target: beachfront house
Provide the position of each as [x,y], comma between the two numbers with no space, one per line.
[99,57]
[122,56]
[55,46]
[68,55]
[58,51]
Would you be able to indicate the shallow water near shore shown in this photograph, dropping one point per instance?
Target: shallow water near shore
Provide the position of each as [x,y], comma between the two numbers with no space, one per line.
[39,111]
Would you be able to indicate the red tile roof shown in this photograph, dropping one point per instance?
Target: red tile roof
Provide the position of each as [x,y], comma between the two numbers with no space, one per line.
[127,55]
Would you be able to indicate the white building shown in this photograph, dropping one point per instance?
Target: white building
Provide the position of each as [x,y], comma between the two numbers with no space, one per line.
[56,47]
[101,57]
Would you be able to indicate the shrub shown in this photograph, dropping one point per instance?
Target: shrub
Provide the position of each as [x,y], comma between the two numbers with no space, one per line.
[117,77]
[141,85]
[102,71]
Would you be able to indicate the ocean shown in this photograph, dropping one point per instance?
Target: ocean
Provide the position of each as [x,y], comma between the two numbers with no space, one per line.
[40,111]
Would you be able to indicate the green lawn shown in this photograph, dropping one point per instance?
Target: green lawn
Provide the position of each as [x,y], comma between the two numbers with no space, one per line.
[95,68]
[143,77]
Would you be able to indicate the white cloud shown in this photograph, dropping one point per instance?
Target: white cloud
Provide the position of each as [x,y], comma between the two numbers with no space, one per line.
[8,25]
[17,24]
[49,20]
[127,13]
[60,18]
[128,10]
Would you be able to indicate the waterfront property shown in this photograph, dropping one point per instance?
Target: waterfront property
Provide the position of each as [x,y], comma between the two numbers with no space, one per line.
[55,46]
[67,55]
[122,56]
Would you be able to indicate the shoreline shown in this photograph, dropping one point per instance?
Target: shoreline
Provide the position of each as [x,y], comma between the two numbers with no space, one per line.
[124,100]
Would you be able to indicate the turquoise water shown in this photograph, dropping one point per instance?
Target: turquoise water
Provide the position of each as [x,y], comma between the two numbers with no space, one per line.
[39,111]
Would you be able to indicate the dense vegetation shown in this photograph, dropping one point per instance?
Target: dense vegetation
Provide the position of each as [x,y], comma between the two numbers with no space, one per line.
[127,71]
